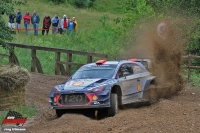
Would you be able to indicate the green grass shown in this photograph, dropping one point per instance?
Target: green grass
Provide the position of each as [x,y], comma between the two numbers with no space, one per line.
[194,78]
[27,111]
[91,36]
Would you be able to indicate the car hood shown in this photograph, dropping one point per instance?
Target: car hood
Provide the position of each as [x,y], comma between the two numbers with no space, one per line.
[82,83]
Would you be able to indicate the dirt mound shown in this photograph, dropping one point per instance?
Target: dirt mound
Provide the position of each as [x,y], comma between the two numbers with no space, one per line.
[162,42]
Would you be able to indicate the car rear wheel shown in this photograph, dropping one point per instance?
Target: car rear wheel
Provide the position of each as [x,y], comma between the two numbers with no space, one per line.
[113,109]
[152,95]
[59,112]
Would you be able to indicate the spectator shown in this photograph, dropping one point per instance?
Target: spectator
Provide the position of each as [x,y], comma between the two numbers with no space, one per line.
[35,19]
[18,20]
[46,24]
[11,21]
[70,26]
[75,23]
[27,18]
[64,23]
[55,23]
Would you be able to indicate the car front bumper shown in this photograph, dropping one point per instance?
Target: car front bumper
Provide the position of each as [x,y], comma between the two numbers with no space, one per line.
[79,106]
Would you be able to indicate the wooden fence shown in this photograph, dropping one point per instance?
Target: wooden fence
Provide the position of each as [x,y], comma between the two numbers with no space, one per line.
[59,67]
[189,67]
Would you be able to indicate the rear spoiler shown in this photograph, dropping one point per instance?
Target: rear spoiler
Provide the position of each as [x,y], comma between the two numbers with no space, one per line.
[145,62]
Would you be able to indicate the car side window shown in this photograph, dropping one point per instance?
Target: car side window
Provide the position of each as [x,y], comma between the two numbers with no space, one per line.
[137,69]
[125,70]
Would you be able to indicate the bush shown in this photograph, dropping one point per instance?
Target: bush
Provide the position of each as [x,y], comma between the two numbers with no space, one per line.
[82,3]
[58,1]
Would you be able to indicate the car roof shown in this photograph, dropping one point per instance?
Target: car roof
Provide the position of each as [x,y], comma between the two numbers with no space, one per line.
[117,63]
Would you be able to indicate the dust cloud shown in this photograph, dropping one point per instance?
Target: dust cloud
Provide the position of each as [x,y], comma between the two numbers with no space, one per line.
[163,42]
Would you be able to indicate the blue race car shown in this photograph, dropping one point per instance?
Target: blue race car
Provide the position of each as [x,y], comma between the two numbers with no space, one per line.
[105,84]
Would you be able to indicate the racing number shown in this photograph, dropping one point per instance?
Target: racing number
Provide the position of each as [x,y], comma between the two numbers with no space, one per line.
[73,98]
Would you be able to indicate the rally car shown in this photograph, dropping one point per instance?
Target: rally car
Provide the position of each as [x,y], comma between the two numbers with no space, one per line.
[105,84]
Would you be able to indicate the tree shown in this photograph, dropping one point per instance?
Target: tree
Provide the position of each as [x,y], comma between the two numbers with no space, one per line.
[6,7]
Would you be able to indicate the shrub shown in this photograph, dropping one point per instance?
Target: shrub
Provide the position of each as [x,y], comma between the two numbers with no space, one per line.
[82,3]
[58,1]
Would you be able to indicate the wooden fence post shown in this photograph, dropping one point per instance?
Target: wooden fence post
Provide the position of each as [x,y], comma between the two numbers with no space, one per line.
[89,59]
[68,66]
[33,61]
[57,66]
[189,64]
[11,55]
[13,58]
[38,65]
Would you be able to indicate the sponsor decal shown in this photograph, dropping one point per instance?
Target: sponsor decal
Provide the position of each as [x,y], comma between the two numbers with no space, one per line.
[138,86]
[14,118]
[134,69]
[79,83]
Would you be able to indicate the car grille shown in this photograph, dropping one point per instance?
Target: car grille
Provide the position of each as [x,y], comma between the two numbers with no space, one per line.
[73,99]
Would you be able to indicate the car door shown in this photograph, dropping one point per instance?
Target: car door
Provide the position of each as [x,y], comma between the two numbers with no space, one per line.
[127,83]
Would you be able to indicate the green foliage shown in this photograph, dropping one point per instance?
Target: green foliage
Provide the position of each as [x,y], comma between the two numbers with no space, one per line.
[57,1]
[100,40]
[183,8]
[194,78]
[6,7]
[103,19]
[82,3]
[136,10]
[113,6]
[180,6]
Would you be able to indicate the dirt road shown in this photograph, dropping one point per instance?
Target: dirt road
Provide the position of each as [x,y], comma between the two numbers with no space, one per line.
[179,114]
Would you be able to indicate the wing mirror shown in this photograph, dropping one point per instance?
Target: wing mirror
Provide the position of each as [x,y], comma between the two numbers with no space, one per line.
[126,73]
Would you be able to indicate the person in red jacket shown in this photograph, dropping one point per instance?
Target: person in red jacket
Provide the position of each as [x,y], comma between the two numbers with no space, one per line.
[27,18]
[46,24]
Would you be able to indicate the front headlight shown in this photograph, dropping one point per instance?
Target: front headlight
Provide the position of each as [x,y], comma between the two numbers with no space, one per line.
[99,88]
[56,91]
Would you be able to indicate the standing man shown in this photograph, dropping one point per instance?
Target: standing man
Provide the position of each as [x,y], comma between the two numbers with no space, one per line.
[46,24]
[55,22]
[35,19]
[70,26]
[18,20]
[64,23]
[11,21]
[27,18]
[75,23]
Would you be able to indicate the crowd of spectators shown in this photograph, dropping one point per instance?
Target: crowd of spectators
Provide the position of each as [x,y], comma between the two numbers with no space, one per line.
[57,25]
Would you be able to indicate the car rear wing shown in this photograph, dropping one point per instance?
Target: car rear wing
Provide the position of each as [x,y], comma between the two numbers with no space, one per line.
[145,62]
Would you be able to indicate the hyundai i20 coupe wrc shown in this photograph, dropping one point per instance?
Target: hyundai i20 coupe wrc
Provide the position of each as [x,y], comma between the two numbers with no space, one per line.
[105,84]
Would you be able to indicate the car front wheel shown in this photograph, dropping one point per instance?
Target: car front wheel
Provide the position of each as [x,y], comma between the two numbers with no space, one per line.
[59,112]
[113,109]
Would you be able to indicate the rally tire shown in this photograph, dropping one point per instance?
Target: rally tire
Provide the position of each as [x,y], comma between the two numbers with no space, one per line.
[59,112]
[153,96]
[113,109]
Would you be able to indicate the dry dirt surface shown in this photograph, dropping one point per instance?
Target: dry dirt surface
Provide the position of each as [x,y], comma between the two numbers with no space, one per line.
[177,114]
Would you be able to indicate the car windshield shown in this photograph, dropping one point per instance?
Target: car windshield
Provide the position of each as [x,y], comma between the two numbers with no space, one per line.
[94,73]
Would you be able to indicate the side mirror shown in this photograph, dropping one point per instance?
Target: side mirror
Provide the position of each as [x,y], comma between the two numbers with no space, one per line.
[126,73]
